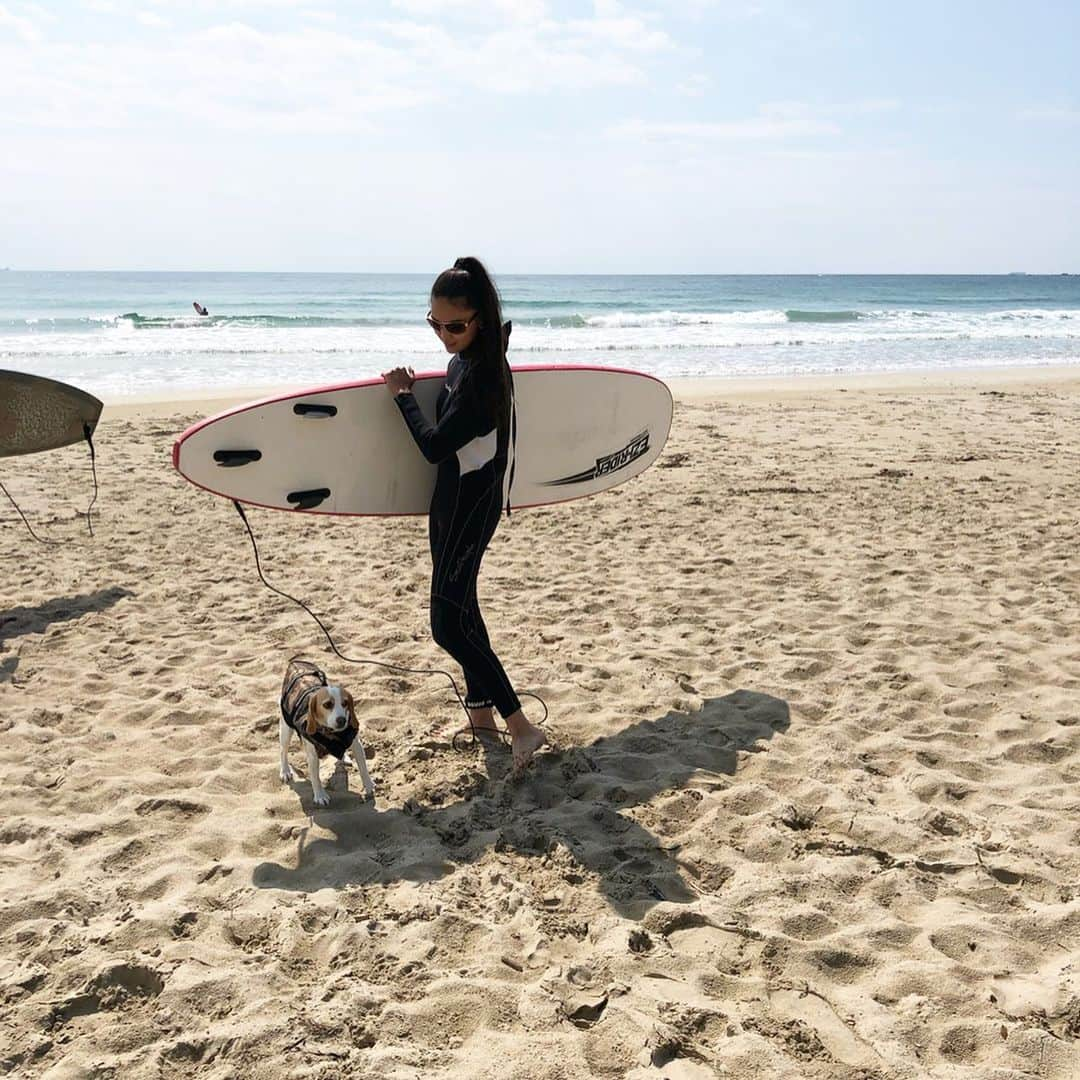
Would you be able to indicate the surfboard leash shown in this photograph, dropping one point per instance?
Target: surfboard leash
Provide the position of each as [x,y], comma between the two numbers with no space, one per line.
[88,435]
[30,527]
[395,668]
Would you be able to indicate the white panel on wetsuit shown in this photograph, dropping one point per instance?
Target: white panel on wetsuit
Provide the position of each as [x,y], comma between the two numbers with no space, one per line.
[476,454]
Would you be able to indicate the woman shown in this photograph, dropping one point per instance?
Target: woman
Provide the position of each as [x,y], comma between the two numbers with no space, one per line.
[469,442]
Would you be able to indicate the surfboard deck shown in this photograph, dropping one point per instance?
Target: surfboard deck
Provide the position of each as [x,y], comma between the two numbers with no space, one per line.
[39,414]
[346,449]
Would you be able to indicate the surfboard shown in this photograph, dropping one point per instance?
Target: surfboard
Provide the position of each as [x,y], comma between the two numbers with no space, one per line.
[38,414]
[346,449]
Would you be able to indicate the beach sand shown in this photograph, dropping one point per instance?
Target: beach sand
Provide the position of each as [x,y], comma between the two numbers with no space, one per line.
[814,813]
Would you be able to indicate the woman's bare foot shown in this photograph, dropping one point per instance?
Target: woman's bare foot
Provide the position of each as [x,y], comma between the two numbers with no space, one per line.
[525,740]
[524,745]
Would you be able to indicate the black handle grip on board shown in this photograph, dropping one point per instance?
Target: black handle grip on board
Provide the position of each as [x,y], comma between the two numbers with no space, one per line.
[305,408]
[307,500]
[230,459]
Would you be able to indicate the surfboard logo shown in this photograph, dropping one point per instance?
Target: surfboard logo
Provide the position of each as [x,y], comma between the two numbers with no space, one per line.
[635,448]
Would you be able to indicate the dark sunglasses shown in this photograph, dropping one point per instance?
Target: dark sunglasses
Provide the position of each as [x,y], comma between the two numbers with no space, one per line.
[454,328]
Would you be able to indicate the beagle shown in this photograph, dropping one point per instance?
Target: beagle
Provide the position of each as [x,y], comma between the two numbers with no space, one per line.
[325,719]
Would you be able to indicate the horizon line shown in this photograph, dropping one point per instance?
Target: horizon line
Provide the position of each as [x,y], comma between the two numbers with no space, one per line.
[573,273]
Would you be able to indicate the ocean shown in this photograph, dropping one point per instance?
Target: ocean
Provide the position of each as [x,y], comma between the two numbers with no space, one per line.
[120,335]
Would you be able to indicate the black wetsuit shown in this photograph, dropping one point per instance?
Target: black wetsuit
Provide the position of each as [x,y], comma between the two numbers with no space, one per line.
[470,448]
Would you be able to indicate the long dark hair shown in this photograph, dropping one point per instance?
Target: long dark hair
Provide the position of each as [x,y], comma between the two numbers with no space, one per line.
[468,283]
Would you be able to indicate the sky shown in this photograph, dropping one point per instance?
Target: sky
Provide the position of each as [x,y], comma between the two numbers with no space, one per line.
[682,136]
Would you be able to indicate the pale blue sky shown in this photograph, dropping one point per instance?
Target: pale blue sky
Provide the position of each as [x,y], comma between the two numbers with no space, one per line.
[689,136]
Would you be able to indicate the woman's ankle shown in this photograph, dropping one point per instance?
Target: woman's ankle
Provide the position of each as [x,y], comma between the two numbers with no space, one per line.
[517,723]
[482,718]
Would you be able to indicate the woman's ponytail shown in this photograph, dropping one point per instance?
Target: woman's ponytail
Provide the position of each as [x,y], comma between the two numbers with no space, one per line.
[469,281]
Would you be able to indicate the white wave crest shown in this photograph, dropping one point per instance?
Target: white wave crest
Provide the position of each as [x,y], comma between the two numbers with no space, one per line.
[630,319]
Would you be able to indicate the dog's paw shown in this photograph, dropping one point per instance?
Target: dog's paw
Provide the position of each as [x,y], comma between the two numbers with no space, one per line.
[320,798]
[286,774]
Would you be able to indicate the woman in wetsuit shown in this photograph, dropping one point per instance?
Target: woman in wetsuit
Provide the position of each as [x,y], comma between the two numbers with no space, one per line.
[469,442]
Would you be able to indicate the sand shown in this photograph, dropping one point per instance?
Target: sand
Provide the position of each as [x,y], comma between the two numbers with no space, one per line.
[812,811]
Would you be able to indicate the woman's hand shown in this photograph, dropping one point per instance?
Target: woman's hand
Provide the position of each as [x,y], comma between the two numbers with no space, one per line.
[399,381]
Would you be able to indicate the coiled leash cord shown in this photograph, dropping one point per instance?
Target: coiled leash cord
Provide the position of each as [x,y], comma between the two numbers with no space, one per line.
[30,527]
[395,668]
[88,434]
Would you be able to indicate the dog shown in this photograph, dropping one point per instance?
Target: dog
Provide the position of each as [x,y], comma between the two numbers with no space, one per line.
[325,719]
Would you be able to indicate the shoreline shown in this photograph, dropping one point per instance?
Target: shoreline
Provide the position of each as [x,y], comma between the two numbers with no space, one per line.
[684,389]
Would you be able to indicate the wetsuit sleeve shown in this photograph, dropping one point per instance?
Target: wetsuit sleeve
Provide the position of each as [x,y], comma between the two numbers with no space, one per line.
[462,422]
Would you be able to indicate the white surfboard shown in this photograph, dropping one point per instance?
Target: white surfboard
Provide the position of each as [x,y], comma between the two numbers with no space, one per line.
[346,449]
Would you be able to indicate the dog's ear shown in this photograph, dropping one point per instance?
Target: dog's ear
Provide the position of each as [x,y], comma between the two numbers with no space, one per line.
[312,713]
[350,707]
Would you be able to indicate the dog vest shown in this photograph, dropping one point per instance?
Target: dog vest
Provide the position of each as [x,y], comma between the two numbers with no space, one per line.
[301,681]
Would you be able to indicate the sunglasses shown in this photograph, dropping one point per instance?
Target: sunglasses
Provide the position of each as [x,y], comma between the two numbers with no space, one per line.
[453,328]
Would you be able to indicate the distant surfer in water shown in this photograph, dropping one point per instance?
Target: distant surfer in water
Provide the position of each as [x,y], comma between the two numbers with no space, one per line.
[469,442]
[199,308]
